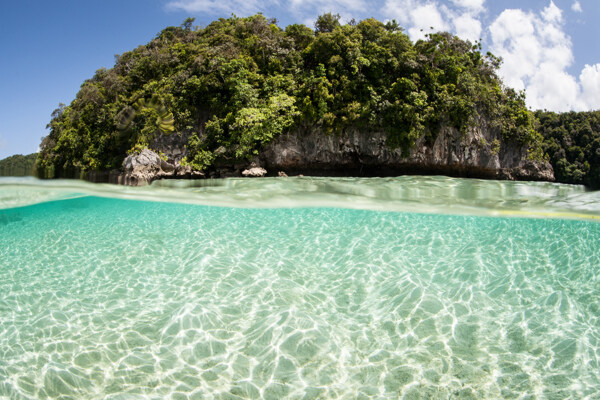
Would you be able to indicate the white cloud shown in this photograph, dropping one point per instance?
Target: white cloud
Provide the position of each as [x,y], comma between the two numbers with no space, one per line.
[474,6]
[552,88]
[424,19]
[576,7]
[590,85]
[466,20]
[536,53]
[514,39]
[467,27]
[419,16]
[552,13]
[398,9]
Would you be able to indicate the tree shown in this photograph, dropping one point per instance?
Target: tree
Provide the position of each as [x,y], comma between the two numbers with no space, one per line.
[187,24]
[18,165]
[301,35]
[327,22]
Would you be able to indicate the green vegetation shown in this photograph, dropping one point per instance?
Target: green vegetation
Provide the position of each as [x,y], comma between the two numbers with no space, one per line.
[18,165]
[239,82]
[572,140]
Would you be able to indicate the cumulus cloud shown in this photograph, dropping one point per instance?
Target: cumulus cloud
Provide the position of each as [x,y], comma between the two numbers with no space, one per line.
[514,39]
[425,18]
[466,19]
[552,13]
[536,53]
[398,10]
[590,85]
[467,26]
[475,6]
[419,16]
[553,88]
[576,7]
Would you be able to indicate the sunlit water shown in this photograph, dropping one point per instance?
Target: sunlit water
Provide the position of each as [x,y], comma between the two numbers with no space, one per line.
[299,288]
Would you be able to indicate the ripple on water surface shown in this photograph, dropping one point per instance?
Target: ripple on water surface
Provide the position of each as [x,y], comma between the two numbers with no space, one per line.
[108,298]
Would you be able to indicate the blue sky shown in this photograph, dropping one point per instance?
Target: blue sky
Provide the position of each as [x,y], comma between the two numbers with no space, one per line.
[550,48]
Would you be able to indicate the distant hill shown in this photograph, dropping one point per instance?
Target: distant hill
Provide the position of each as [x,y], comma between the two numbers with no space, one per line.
[18,165]
[572,141]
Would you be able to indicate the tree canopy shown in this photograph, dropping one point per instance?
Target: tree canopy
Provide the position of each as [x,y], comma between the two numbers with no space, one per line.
[237,83]
[572,141]
[18,165]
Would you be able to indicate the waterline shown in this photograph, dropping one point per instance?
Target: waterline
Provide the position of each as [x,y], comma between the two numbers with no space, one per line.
[423,194]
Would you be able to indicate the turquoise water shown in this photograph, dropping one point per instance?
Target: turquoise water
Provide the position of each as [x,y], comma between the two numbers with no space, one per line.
[275,289]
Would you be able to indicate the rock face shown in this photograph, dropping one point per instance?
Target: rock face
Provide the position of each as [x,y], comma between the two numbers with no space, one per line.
[146,166]
[172,145]
[480,152]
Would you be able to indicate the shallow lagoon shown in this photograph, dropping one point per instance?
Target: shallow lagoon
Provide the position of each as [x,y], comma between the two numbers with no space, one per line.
[413,287]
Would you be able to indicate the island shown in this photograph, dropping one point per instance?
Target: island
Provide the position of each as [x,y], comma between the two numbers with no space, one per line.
[18,165]
[242,96]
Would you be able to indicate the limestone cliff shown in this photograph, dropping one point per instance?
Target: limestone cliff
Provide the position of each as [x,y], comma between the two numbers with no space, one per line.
[480,152]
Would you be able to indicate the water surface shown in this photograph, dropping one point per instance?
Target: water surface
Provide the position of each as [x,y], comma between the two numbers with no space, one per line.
[299,288]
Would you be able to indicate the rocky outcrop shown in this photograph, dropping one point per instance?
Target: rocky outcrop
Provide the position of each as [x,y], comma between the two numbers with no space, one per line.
[480,152]
[144,167]
[254,172]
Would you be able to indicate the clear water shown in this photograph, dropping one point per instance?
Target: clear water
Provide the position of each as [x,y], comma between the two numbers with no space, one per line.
[299,288]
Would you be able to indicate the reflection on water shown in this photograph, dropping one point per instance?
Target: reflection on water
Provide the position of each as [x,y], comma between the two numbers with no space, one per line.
[103,297]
